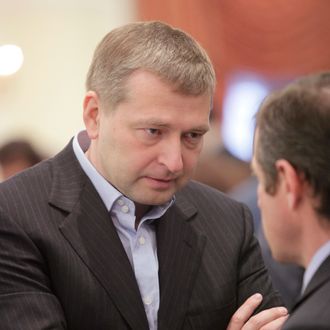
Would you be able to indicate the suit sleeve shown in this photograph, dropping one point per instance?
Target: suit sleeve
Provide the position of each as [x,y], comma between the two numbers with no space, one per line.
[253,275]
[26,298]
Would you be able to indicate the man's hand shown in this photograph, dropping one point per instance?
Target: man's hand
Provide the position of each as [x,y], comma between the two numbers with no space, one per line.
[269,319]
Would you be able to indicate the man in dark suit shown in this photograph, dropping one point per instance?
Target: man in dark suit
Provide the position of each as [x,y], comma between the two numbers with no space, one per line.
[110,233]
[291,160]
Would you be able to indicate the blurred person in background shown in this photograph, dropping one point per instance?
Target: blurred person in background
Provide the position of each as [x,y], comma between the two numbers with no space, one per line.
[292,162]
[111,233]
[17,155]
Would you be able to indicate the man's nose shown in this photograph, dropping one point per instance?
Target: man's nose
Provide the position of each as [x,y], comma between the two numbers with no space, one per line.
[171,156]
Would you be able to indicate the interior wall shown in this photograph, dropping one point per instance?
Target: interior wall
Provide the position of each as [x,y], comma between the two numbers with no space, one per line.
[278,39]
[43,101]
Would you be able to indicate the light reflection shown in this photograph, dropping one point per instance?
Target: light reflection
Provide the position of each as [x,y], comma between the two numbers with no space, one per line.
[11,59]
[241,102]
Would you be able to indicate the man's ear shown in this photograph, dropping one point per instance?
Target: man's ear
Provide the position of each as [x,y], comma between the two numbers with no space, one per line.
[291,182]
[91,114]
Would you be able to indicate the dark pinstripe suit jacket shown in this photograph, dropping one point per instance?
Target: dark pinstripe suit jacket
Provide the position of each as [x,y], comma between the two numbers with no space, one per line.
[62,265]
[312,310]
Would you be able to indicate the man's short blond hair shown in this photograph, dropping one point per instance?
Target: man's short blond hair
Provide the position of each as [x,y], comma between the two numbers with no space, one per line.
[170,53]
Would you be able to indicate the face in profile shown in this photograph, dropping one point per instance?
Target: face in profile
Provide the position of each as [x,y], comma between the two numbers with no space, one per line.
[279,228]
[148,146]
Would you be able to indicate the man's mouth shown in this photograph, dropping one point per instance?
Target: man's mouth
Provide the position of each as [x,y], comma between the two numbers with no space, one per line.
[160,183]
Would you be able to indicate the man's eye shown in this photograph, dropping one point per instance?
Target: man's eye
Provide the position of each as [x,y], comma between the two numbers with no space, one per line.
[153,131]
[194,137]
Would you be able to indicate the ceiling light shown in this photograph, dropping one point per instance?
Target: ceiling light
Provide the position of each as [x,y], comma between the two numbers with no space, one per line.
[11,59]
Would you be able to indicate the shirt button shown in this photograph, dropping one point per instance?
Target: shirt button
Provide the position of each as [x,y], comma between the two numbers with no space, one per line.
[147,300]
[125,208]
[120,202]
[142,240]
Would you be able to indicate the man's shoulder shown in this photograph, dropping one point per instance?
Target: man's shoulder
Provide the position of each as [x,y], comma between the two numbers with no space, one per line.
[41,171]
[198,192]
[312,314]
[313,311]
[196,187]
[34,181]
[210,201]
[27,176]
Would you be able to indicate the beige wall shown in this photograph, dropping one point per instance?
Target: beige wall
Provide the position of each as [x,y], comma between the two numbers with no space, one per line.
[43,101]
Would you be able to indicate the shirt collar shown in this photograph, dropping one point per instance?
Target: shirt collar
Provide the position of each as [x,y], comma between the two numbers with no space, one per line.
[322,253]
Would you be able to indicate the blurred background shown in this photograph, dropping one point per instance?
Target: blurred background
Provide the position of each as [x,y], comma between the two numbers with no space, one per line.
[43,100]
[256,46]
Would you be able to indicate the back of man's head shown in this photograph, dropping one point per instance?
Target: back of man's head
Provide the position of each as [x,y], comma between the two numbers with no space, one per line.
[294,124]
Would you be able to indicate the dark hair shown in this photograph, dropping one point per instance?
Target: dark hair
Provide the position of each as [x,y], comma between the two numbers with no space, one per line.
[19,149]
[294,124]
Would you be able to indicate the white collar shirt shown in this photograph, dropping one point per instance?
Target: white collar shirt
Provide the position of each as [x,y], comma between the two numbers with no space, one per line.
[139,244]
[322,253]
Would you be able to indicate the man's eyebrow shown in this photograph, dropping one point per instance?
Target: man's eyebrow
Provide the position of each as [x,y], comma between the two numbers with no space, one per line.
[151,122]
[202,128]
[160,123]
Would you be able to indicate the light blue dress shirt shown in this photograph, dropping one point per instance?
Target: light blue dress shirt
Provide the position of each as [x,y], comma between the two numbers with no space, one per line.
[139,244]
[322,253]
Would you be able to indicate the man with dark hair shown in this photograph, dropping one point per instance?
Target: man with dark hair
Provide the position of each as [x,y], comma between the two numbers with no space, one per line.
[111,233]
[292,162]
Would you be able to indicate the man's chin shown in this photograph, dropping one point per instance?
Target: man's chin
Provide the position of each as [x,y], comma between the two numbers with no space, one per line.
[150,193]
[155,198]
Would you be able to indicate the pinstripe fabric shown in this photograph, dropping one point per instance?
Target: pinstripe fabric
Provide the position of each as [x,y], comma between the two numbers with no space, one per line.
[62,265]
[221,258]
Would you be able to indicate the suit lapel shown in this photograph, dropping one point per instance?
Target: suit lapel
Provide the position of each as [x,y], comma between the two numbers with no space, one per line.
[179,252]
[318,280]
[91,233]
